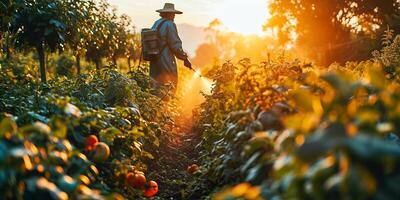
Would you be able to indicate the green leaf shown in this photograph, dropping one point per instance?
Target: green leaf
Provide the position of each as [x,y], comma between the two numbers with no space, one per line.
[7,127]
[370,147]
[3,153]
[377,78]
[250,162]
[56,23]
[67,184]
[138,145]
[304,99]
[322,141]
[48,31]
[254,173]
[136,132]
[58,127]
[108,135]
[147,154]
[36,116]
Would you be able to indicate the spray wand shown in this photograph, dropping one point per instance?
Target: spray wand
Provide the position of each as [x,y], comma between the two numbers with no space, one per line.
[196,72]
[189,65]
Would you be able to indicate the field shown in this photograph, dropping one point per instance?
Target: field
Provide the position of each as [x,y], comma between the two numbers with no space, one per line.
[80,118]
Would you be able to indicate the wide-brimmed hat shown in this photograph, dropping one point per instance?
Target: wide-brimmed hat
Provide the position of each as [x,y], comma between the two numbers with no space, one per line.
[169,8]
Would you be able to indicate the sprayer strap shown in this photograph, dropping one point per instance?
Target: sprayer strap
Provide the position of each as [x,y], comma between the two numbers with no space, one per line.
[159,26]
[159,35]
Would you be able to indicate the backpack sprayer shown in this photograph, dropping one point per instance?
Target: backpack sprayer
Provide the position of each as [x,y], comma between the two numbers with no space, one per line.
[151,45]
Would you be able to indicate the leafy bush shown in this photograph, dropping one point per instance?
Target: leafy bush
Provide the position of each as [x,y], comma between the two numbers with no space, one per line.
[20,68]
[64,66]
[389,55]
[120,90]
[36,163]
[75,108]
[338,139]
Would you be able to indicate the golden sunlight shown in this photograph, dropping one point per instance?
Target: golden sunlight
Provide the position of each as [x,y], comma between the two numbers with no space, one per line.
[192,92]
[244,17]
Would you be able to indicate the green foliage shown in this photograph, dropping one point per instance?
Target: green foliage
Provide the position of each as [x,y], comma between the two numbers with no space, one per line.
[39,22]
[64,66]
[120,90]
[349,26]
[79,24]
[83,26]
[273,130]
[20,68]
[69,110]
[389,55]
[39,25]
[387,37]
[338,137]
[36,163]
[7,7]
[109,35]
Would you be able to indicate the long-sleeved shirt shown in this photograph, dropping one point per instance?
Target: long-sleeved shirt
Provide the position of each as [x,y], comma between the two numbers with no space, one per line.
[164,69]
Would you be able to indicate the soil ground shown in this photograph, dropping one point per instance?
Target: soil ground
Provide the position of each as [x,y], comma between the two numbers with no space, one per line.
[175,183]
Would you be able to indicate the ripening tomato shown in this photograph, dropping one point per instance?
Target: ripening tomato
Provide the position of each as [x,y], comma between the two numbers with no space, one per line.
[192,169]
[151,190]
[90,142]
[135,180]
[101,152]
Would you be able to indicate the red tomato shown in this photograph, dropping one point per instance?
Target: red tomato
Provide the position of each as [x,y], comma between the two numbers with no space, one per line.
[91,141]
[151,190]
[136,180]
[192,169]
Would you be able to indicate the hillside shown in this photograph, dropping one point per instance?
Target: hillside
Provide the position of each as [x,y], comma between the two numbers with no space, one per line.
[191,36]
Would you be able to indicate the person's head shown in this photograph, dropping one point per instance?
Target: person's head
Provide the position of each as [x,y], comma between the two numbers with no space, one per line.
[168,15]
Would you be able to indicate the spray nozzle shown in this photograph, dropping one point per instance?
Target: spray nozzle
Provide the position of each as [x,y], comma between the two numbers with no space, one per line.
[196,72]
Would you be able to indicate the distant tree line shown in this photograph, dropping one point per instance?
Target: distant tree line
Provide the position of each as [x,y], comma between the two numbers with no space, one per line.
[221,45]
[333,30]
[88,28]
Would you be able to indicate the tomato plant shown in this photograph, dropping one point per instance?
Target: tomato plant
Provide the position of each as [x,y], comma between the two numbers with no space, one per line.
[307,133]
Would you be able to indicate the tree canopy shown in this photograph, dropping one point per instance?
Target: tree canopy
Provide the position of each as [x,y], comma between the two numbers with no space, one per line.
[84,27]
[327,26]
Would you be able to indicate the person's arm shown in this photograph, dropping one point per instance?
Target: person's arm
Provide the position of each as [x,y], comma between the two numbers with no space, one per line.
[175,43]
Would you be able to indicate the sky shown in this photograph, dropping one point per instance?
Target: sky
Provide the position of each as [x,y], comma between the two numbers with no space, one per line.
[242,16]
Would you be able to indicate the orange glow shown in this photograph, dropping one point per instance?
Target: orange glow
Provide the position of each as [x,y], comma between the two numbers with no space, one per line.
[192,92]
[300,140]
[246,18]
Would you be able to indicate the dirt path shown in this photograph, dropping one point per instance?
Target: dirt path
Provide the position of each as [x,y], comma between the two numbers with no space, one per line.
[175,156]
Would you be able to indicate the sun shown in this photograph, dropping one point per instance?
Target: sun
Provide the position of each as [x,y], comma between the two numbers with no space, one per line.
[245,17]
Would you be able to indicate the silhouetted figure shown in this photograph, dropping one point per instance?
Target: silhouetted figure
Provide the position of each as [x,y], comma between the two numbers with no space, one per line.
[164,69]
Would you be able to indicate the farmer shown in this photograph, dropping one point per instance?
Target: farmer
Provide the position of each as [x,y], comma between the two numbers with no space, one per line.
[164,69]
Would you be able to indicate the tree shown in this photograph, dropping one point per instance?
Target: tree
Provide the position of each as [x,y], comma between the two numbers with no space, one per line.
[38,24]
[120,36]
[98,45]
[206,53]
[109,35]
[133,48]
[222,39]
[326,27]
[79,27]
[7,8]
[224,45]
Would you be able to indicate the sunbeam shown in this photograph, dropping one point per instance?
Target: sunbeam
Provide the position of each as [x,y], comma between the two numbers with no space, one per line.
[193,91]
